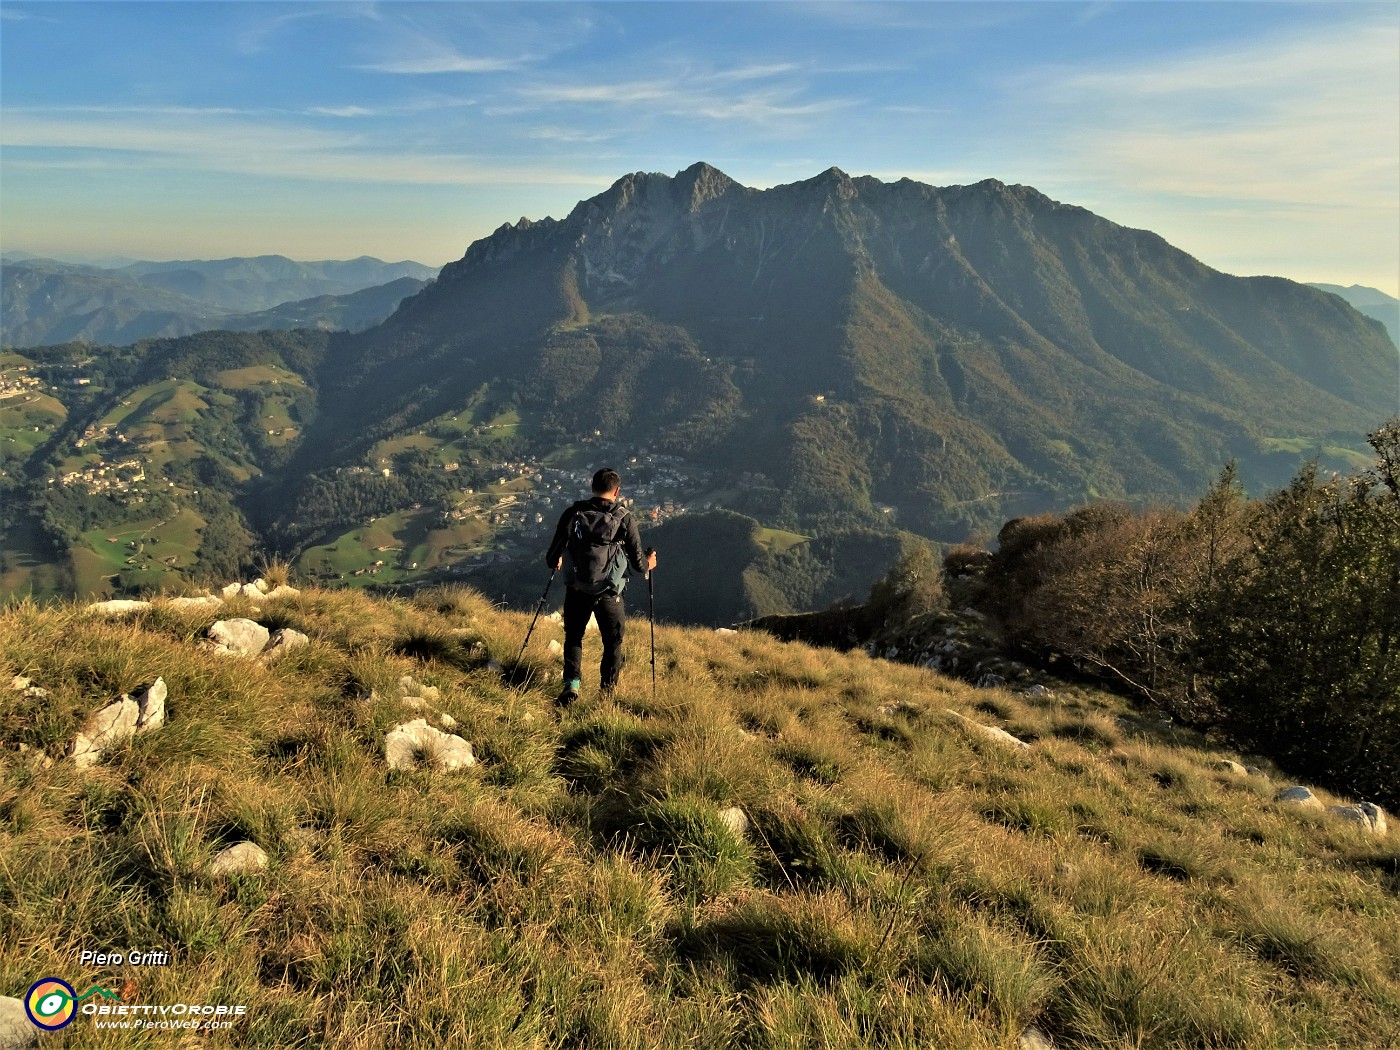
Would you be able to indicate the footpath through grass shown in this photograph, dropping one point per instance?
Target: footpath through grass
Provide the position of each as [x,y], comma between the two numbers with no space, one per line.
[902,882]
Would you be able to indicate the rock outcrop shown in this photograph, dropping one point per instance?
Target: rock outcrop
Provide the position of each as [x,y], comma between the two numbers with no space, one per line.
[416,743]
[118,722]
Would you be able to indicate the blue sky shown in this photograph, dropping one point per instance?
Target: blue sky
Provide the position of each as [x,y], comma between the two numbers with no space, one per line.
[1260,137]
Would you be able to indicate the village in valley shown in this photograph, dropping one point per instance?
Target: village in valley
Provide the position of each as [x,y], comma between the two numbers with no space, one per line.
[507,517]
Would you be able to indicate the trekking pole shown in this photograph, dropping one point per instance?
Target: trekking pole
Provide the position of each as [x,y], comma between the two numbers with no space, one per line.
[651,615]
[539,608]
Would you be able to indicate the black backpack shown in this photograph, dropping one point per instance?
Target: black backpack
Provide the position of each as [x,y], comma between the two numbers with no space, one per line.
[595,548]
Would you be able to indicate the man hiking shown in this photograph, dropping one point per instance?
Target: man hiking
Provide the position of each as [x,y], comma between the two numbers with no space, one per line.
[602,541]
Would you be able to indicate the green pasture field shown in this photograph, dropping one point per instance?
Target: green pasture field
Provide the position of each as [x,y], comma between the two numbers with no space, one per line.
[777,541]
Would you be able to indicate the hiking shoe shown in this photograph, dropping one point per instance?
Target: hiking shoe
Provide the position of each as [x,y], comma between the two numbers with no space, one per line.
[568,696]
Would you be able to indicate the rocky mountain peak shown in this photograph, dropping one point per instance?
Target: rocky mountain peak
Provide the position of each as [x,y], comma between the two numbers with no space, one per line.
[700,183]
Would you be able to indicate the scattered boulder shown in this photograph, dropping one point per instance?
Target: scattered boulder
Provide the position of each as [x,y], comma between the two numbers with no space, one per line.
[555,649]
[1042,693]
[36,762]
[26,687]
[238,637]
[250,591]
[282,591]
[246,858]
[556,616]
[413,743]
[410,687]
[118,722]
[1298,796]
[1229,765]
[735,819]
[283,641]
[448,722]
[725,630]
[1370,816]
[1034,1039]
[16,1030]
[899,707]
[992,733]
[260,585]
[117,607]
[150,703]
[232,590]
[197,602]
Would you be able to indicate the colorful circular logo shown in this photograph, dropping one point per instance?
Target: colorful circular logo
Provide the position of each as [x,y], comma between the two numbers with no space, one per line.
[51,1003]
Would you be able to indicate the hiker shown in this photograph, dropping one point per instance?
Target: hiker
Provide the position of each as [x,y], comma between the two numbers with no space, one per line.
[602,541]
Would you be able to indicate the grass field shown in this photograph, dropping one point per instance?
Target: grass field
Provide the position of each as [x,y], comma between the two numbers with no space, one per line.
[258,376]
[901,882]
[1335,457]
[776,540]
[28,567]
[411,536]
[140,549]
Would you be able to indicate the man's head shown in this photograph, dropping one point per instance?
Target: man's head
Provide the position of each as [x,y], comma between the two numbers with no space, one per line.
[606,482]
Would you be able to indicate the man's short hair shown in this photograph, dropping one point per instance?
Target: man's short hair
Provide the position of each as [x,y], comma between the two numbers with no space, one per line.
[606,480]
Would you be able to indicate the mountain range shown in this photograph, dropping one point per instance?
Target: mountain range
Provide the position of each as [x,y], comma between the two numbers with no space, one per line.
[846,363]
[46,301]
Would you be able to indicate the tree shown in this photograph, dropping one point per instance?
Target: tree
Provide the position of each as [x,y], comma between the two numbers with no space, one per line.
[1298,635]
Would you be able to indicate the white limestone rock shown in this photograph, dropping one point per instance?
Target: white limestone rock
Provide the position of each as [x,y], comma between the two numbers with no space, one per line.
[282,591]
[1034,1039]
[35,761]
[555,649]
[1229,765]
[1297,796]
[239,637]
[255,593]
[992,733]
[411,687]
[281,643]
[117,607]
[201,601]
[19,683]
[413,743]
[1370,816]
[246,858]
[150,706]
[16,1030]
[725,630]
[232,590]
[118,722]
[735,819]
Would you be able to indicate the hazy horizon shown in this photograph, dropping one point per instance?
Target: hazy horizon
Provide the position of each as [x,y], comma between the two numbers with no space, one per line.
[1259,138]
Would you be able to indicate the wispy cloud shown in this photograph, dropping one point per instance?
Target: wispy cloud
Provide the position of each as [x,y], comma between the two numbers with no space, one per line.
[241,146]
[1302,118]
[571,136]
[445,60]
[772,94]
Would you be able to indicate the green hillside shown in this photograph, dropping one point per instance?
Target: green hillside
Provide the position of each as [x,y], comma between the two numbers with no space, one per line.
[784,847]
[833,359]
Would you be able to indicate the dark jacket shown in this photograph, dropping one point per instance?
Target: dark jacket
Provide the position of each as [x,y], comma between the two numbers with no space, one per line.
[629,537]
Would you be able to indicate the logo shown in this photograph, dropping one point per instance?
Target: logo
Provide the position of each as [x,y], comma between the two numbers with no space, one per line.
[52,1004]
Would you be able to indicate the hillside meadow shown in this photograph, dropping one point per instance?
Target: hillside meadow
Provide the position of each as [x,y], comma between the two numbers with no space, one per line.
[894,878]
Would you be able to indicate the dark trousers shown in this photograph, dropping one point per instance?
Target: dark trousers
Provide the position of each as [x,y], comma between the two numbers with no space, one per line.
[612,622]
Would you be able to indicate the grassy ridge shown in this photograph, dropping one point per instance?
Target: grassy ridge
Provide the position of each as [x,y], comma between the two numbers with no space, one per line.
[903,882]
